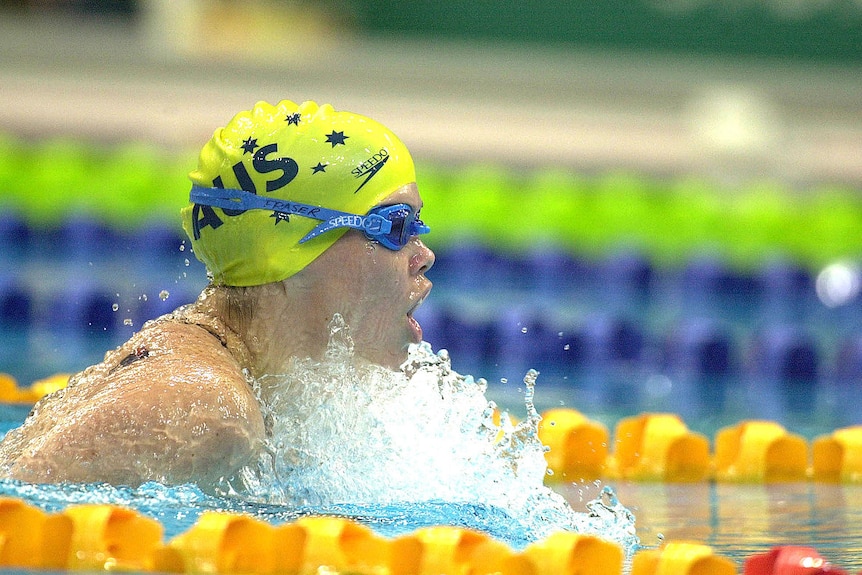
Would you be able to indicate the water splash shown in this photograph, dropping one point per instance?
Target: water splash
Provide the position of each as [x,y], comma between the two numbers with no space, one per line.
[343,432]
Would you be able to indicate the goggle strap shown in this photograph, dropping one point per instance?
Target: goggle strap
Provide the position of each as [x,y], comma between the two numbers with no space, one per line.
[372,224]
[233,199]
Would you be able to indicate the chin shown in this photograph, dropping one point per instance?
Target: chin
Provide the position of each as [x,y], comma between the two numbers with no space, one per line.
[390,360]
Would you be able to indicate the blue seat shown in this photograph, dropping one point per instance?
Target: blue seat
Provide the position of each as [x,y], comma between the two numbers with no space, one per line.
[158,241]
[430,317]
[15,236]
[788,291]
[471,266]
[787,354]
[613,340]
[469,338]
[628,271]
[83,307]
[710,287]
[848,364]
[83,237]
[528,338]
[701,348]
[715,277]
[161,300]
[550,271]
[783,278]
[16,304]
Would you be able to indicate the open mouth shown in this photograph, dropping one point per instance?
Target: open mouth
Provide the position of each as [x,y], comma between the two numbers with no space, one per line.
[416,305]
[416,328]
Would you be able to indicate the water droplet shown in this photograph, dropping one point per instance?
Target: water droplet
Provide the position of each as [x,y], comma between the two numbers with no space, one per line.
[187,262]
[143,297]
[567,347]
[183,247]
[504,380]
[164,294]
[127,321]
[523,330]
[115,307]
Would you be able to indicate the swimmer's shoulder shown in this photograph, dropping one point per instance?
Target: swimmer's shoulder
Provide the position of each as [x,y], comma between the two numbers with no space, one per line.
[172,404]
[183,342]
[187,361]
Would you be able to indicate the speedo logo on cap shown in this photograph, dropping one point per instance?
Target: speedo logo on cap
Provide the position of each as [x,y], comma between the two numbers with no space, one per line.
[370,167]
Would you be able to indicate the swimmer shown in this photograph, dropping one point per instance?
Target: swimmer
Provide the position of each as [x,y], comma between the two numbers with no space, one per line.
[300,213]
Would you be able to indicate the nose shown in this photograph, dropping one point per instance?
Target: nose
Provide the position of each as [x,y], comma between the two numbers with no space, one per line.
[422,259]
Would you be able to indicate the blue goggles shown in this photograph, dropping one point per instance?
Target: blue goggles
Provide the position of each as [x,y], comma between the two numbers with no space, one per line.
[391,226]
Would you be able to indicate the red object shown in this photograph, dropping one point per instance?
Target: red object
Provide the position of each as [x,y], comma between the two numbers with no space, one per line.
[790,560]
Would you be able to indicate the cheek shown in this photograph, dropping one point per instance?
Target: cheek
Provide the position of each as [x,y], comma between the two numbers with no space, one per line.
[372,290]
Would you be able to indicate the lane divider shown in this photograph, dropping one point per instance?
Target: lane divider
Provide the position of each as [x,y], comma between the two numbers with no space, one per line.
[93,537]
[759,451]
[10,392]
[681,557]
[660,447]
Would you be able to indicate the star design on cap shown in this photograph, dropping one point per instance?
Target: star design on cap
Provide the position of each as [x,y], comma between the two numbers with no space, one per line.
[292,119]
[318,168]
[280,217]
[249,145]
[336,138]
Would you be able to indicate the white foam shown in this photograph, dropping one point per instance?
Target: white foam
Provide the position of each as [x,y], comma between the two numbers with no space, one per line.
[342,431]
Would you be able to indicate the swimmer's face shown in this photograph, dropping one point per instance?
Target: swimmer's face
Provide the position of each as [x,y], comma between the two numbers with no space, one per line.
[375,289]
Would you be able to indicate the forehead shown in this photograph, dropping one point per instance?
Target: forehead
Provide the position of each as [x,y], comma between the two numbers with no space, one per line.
[406,194]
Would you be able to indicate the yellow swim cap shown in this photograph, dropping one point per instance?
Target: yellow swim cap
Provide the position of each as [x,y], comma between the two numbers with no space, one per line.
[307,154]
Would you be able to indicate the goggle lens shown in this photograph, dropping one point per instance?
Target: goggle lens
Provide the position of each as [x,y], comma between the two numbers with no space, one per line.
[405,224]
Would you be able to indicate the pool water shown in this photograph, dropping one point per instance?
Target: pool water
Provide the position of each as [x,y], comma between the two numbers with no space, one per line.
[738,521]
